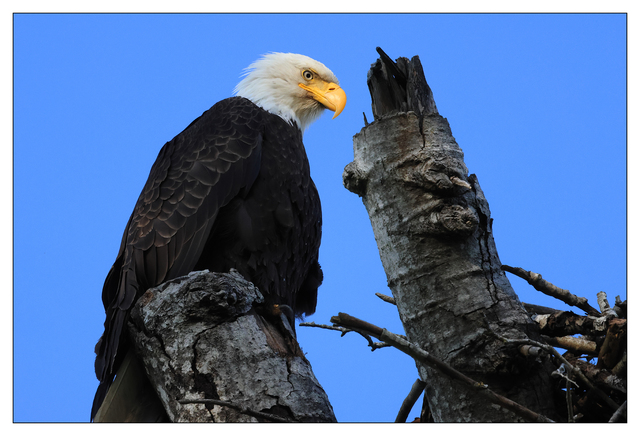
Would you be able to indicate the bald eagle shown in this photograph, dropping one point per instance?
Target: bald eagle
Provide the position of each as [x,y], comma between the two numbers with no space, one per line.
[233,190]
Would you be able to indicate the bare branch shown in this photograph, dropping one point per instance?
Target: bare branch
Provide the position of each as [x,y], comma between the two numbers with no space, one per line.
[530,351]
[549,349]
[564,371]
[573,344]
[244,410]
[534,309]
[620,307]
[346,320]
[563,323]
[458,181]
[604,305]
[569,402]
[550,289]
[426,358]
[386,298]
[601,377]
[407,404]
[374,345]
[611,350]
[325,326]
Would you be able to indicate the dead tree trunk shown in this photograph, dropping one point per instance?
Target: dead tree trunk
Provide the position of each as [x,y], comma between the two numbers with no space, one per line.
[211,358]
[433,229]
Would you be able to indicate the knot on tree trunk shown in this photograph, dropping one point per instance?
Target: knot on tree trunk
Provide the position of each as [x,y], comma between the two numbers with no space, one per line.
[426,165]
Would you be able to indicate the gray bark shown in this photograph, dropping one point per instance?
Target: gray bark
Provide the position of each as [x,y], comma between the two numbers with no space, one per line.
[199,337]
[432,225]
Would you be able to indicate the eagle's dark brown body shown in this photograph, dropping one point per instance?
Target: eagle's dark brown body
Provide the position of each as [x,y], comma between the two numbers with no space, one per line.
[233,190]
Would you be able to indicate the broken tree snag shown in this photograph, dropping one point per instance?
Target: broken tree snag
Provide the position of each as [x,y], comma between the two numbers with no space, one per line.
[200,338]
[399,87]
[432,225]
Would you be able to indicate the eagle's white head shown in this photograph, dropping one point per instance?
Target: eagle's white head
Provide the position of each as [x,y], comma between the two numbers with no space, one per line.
[293,86]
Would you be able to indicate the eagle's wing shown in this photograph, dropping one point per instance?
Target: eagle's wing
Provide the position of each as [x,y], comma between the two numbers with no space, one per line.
[214,159]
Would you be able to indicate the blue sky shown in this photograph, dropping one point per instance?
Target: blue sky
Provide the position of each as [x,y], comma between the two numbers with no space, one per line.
[536,102]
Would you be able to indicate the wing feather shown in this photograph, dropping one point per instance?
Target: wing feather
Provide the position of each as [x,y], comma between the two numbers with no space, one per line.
[198,172]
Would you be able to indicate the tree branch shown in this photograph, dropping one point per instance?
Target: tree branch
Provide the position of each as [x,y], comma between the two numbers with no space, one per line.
[346,320]
[561,323]
[573,344]
[603,303]
[534,309]
[549,349]
[386,298]
[407,404]
[600,377]
[552,290]
[374,345]
[569,402]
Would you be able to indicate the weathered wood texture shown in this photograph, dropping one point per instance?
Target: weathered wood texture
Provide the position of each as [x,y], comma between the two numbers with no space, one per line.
[200,337]
[432,225]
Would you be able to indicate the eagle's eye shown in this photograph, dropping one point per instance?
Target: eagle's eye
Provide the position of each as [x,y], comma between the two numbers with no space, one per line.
[308,75]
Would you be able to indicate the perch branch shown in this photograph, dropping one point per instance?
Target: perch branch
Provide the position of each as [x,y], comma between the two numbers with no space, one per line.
[573,344]
[348,321]
[552,290]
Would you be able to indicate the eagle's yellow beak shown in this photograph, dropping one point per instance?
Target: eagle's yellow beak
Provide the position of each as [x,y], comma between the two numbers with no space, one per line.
[327,93]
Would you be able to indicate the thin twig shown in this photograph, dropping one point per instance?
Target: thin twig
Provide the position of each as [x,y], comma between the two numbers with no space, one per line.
[564,371]
[552,290]
[569,401]
[325,326]
[600,376]
[417,353]
[407,404]
[243,410]
[374,345]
